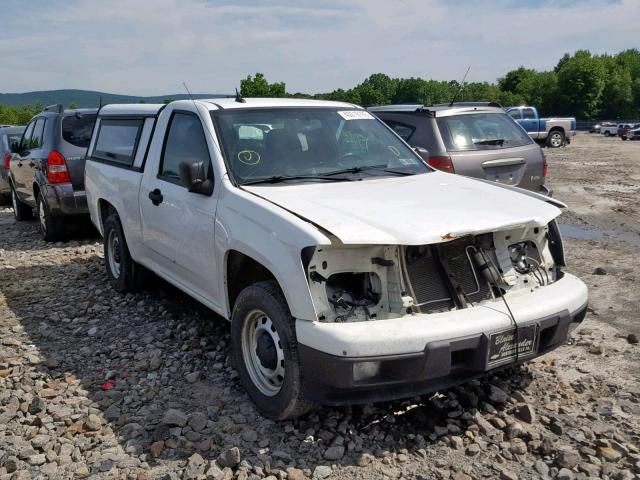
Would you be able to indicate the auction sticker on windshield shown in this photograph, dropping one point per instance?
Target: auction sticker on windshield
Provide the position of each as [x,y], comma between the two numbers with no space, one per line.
[355,115]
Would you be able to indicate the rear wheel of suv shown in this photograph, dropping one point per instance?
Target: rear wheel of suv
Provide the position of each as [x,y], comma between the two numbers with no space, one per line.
[124,273]
[52,228]
[265,351]
[21,211]
[607,133]
[555,139]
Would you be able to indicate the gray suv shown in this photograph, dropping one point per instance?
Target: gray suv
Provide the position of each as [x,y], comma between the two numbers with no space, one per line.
[47,168]
[9,135]
[472,139]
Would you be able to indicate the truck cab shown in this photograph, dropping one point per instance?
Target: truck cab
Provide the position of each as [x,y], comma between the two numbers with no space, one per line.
[553,132]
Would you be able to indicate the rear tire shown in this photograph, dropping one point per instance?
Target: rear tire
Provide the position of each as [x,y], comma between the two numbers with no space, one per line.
[52,228]
[607,133]
[124,273]
[555,139]
[265,351]
[21,210]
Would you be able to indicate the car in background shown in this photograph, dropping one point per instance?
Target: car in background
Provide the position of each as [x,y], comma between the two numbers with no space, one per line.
[553,132]
[475,139]
[634,134]
[610,130]
[47,169]
[597,128]
[9,135]
[625,128]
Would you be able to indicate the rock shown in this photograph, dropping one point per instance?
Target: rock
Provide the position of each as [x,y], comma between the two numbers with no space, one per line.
[214,471]
[473,449]
[192,377]
[295,474]
[36,406]
[11,464]
[175,417]
[526,413]
[599,271]
[632,339]
[567,459]
[249,435]
[507,474]
[485,427]
[364,459]
[497,395]
[195,467]
[321,471]
[565,474]
[518,446]
[456,442]
[229,458]
[334,453]
[596,349]
[156,448]
[93,423]
[198,421]
[541,468]
[609,454]
[37,459]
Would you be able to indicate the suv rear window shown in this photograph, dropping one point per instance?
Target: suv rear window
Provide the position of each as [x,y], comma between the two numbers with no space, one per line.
[77,129]
[117,140]
[481,131]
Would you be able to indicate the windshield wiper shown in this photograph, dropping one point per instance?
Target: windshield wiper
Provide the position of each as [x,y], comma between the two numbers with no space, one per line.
[284,178]
[493,141]
[382,168]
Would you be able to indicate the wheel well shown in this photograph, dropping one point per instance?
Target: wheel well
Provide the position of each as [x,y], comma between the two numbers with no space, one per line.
[554,129]
[36,190]
[241,272]
[105,209]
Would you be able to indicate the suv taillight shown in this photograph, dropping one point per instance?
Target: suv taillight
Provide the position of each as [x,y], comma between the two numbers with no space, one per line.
[57,168]
[443,163]
[545,166]
[6,161]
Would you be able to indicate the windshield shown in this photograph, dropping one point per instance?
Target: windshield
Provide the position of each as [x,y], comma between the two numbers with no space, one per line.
[481,131]
[323,143]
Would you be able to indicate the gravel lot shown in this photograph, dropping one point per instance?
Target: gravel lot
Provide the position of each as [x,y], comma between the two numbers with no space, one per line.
[96,384]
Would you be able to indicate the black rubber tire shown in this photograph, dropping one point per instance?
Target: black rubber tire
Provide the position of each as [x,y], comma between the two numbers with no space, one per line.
[624,139]
[550,137]
[21,210]
[607,133]
[52,228]
[132,275]
[288,402]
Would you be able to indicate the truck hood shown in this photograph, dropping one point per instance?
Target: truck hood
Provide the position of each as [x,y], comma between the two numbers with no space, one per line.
[413,210]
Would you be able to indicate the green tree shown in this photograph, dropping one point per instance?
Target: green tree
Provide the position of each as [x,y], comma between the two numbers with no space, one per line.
[581,81]
[258,86]
[73,105]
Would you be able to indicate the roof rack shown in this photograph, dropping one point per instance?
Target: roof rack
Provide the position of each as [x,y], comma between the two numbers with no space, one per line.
[57,108]
[468,104]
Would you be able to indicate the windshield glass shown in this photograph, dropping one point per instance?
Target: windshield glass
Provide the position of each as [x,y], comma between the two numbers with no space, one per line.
[311,142]
[481,131]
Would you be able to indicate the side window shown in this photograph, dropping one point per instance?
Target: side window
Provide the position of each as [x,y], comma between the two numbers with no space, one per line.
[38,134]
[26,137]
[185,142]
[528,114]
[405,131]
[515,114]
[118,140]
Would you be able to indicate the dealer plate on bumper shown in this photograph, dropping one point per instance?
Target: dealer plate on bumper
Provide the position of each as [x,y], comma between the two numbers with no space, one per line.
[502,345]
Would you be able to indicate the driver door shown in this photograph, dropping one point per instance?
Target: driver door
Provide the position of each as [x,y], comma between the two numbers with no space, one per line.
[178,225]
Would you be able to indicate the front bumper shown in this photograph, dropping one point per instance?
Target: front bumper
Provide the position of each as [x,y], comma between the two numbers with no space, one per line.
[346,363]
[62,199]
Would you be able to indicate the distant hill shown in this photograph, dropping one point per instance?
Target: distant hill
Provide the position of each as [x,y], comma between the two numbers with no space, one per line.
[88,98]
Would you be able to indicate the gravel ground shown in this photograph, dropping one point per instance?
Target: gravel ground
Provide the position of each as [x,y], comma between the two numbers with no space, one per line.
[101,385]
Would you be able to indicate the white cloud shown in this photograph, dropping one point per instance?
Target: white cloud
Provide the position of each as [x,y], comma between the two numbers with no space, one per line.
[150,46]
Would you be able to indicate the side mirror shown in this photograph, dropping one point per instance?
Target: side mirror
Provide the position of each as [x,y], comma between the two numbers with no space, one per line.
[423,152]
[193,178]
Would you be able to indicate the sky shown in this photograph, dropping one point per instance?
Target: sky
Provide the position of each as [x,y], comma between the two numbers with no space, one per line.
[149,47]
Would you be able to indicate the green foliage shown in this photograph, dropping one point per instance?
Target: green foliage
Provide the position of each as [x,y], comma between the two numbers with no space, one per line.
[257,86]
[73,105]
[18,115]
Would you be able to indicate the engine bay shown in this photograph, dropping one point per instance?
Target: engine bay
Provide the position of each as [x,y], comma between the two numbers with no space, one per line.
[363,282]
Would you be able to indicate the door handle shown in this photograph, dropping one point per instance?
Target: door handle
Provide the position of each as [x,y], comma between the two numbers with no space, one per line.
[156,197]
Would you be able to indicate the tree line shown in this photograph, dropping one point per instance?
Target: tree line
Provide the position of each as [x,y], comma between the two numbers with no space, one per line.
[583,85]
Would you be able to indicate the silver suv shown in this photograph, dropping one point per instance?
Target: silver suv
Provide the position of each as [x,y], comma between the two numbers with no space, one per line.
[472,139]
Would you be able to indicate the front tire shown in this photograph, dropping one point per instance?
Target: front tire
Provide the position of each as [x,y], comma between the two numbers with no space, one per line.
[265,351]
[21,211]
[52,228]
[555,139]
[125,275]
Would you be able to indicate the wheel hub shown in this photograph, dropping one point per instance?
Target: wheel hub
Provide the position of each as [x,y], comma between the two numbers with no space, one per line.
[266,351]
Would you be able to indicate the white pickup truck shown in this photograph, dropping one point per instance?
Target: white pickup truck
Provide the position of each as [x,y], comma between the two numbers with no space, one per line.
[350,270]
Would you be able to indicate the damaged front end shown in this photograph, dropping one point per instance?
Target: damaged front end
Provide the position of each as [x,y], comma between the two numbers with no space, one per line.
[354,283]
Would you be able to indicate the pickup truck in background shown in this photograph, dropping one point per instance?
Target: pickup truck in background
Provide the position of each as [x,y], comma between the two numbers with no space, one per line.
[553,132]
[350,270]
[609,130]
